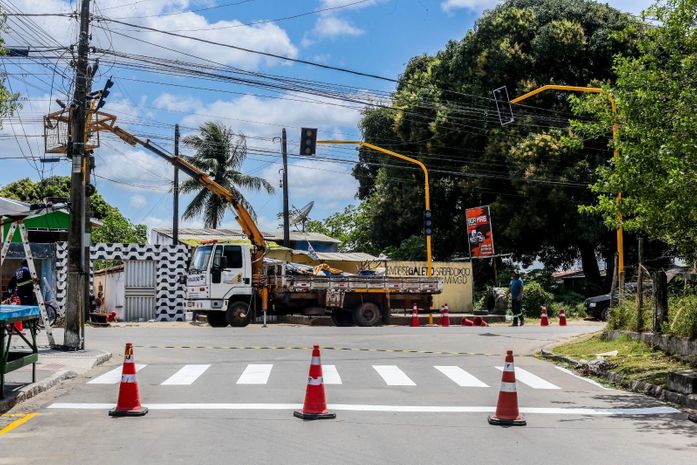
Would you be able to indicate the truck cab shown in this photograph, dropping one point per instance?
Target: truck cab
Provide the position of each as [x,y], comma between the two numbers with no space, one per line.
[219,283]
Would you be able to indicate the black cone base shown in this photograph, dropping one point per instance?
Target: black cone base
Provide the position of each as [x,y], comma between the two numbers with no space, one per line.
[314,416]
[128,413]
[503,422]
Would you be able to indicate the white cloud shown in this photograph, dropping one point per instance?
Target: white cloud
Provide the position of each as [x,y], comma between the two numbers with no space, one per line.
[138,201]
[331,26]
[172,102]
[449,5]
[316,180]
[266,37]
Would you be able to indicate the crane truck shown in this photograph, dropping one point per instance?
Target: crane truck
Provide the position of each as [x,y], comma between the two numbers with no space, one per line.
[233,283]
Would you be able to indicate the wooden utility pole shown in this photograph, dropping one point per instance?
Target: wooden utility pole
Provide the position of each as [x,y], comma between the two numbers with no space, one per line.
[286,219]
[175,190]
[640,287]
[76,304]
[660,300]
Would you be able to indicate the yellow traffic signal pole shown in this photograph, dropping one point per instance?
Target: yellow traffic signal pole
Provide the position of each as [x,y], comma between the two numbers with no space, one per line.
[429,259]
[615,140]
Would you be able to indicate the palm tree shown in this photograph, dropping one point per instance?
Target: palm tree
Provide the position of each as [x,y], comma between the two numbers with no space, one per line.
[220,153]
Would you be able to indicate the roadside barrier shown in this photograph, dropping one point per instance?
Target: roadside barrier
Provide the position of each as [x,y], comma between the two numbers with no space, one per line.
[315,406]
[562,317]
[415,317]
[128,404]
[444,316]
[507,413]
[544,319]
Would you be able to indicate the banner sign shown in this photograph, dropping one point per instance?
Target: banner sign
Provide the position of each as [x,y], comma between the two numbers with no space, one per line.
[479,232]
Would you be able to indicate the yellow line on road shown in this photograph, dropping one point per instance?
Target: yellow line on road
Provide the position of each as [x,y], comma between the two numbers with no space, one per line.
[23,418]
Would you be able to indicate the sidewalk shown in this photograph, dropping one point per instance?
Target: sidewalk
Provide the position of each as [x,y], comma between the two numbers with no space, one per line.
[53,367]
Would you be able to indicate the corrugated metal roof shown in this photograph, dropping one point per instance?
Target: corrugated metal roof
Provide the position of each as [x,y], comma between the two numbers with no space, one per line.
[346,257]
[223,234]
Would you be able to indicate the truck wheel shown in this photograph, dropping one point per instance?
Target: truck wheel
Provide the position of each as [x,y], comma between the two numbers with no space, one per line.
[366,314]
[342,318]
[216,319]
[238,314]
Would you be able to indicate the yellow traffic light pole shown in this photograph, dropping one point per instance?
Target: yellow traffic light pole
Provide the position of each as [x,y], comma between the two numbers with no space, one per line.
[429,263]
[615,140]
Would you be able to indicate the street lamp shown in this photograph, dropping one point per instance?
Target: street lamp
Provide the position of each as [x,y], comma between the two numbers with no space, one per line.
[429,262]
[615,140]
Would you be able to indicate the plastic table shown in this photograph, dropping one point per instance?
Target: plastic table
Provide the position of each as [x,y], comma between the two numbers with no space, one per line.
[11,360]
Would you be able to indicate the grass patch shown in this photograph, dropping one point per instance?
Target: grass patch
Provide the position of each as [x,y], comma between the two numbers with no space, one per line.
[635,361]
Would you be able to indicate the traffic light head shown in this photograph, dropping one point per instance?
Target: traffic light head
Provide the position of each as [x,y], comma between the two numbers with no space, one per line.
[308,141]
[428,222]
[104,93]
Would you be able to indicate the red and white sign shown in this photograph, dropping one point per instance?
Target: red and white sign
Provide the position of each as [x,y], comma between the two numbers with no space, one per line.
[479,232]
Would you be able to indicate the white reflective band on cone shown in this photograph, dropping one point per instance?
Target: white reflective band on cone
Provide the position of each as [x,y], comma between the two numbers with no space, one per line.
[508,367]
[315,361]
[128,378]
[128,359]
[314,381]
[507,387]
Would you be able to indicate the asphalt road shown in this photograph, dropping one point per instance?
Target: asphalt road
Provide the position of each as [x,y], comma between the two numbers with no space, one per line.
[402,396]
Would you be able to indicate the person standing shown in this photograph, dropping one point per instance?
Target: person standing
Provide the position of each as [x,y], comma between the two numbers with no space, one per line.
[516,286]
[25,284]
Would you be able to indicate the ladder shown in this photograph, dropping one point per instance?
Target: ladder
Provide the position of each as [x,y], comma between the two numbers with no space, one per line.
[32,270]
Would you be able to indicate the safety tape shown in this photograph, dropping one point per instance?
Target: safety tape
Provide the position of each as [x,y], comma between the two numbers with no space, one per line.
[128,378]
[507,387]
[349,349]
[314,381]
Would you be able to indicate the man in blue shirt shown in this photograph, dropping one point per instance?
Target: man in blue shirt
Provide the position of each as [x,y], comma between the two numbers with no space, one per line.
[516,287]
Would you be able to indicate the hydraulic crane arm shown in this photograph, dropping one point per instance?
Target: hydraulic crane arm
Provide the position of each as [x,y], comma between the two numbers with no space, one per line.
[243,217]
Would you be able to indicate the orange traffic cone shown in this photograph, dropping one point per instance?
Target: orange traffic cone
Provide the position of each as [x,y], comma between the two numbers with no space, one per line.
[479,321]
[544,319]
[444,316]
[507,405]
[562,317]
[467,322]
[315,407]
[128,404]
[415,317]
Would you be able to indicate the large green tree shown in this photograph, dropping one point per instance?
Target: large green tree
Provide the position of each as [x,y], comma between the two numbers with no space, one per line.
[115,227]
[534,173]
[656,93]
[220,153]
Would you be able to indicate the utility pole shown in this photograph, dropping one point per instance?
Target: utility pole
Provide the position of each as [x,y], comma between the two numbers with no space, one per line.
[175,207]
[286,220]
[76,304]
[640,287]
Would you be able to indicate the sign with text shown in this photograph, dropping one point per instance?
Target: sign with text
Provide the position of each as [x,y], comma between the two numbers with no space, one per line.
[457,281]
[479,232]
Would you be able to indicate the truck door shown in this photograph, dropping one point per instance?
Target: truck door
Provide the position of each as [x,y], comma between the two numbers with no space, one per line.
[228,276]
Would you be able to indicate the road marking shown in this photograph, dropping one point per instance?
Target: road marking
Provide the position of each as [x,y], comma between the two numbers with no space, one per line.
[383,408]
[460,376]
[393,376]
[255,374]
[23,418]
[534,381]
[113,376]
[331,376]
[186,375]
[588,380]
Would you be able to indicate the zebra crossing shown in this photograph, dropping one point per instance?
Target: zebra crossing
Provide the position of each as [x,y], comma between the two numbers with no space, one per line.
[385,375]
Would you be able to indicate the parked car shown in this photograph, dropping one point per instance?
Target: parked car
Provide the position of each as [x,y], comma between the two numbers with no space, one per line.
[598,306]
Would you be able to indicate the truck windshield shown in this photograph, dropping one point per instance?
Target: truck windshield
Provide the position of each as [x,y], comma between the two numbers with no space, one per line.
[200,260]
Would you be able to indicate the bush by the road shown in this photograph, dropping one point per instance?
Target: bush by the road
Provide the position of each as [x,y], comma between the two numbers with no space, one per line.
[534,297]
[682,316]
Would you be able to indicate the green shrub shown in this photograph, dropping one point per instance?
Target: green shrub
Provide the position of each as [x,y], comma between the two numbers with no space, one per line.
[624,315]
[533,298]
[682,316]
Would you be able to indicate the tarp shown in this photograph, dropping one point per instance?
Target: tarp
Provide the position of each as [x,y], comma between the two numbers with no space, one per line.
[11,207]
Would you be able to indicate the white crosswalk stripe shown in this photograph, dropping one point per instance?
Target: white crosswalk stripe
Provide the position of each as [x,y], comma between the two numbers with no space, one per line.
[330,374]
[534,381]
[113,376]
[186,375]
[255,374]
[460,376]
[393,376]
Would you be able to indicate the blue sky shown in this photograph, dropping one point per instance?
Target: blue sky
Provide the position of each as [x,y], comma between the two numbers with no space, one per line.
[375,36]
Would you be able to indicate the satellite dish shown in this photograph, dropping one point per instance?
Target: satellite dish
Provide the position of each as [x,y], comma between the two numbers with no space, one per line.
[301,216]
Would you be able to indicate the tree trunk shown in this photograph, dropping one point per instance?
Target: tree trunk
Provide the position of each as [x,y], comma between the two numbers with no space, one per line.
[590,264]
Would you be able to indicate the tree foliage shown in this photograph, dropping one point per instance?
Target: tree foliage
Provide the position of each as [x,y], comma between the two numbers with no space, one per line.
[534,173]
[115,228]
[349,227]
[656,94]
[220,153]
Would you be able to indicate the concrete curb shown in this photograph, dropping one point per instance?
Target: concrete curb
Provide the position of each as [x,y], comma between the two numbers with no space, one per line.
[641,387]
[43,385]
